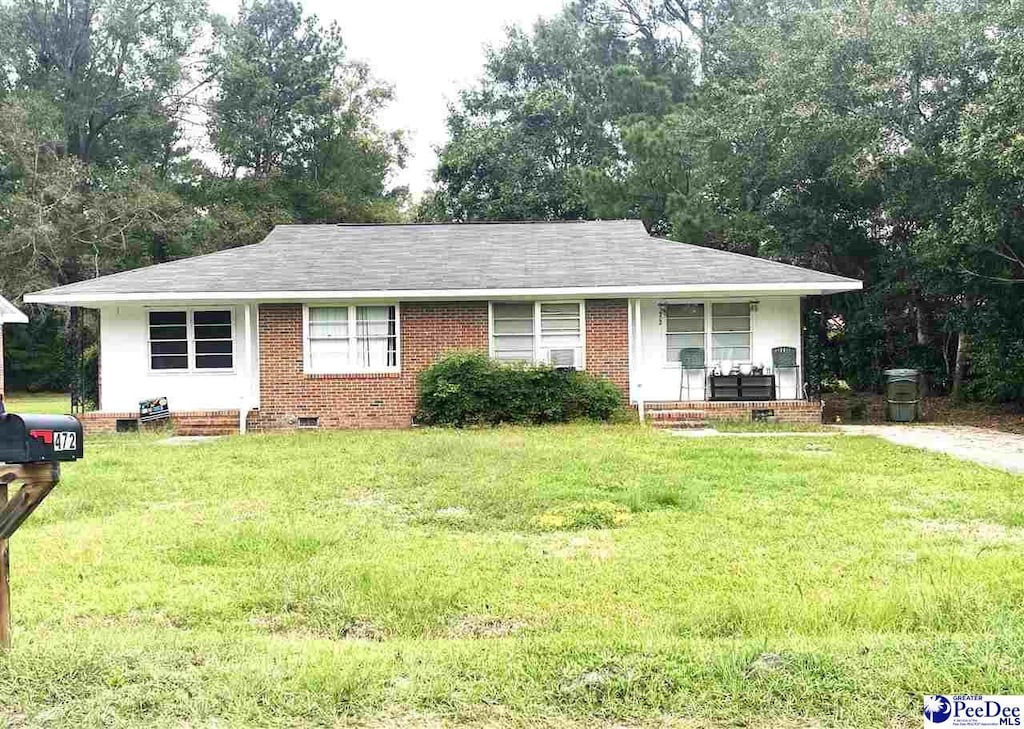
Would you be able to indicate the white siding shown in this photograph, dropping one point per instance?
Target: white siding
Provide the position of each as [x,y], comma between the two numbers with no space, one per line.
[125,376]
[775,323]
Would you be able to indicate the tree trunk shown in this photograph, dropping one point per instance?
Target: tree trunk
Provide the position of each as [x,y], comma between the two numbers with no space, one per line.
[963,344]
[923,325]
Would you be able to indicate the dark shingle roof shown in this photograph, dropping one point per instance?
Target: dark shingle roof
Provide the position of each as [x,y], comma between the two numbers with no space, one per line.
[345,258]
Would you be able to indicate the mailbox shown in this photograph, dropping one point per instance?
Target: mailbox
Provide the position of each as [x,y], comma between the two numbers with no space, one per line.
[39,438]
[31,449]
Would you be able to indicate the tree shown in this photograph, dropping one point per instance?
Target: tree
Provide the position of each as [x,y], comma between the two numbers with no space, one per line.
[275,71]
[62,221]
[879,141]
[548,108]
[293,120]
[118,70]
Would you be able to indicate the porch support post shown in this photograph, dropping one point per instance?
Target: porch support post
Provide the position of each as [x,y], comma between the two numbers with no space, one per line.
[636,355]
[250,370]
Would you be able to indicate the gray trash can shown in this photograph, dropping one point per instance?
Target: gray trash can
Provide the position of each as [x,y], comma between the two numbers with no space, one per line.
[902,395]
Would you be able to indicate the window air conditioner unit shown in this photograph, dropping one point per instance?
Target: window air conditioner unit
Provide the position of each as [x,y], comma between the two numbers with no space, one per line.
[562,359]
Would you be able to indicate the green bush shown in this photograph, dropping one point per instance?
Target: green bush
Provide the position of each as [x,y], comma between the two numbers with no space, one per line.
[468,388]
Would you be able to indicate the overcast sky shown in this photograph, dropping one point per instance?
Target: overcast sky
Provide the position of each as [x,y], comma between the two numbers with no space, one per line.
[427,50]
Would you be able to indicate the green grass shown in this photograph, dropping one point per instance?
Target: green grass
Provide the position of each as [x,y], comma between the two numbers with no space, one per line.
[290,580]
[746,426]
[55,403]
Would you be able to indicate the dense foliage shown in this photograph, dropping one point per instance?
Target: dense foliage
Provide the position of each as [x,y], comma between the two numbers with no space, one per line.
[468,388]
[881,141]
[101,104]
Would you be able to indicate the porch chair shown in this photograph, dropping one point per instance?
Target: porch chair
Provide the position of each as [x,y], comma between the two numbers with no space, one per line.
[784,358]
[692,359]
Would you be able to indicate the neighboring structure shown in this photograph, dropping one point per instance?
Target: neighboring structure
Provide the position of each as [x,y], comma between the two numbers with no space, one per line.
[9,314]
[330,325]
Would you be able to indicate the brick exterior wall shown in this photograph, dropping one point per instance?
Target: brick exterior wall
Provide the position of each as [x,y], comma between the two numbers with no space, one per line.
[427,330]
[608,341]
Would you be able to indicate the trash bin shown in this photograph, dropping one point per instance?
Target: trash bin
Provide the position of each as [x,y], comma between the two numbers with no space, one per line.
[902,395]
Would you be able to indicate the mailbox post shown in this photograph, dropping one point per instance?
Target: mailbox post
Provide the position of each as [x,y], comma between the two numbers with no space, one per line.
[32,448]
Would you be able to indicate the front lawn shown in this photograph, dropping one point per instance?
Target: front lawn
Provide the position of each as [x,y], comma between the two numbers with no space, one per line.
[302,579]
[54,403]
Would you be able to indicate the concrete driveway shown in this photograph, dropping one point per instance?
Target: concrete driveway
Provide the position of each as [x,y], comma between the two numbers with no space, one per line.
[987,447]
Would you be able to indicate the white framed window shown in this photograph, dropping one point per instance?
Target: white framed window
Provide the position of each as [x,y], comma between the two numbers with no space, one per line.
[731,331]
[684,329]
[351,339]
[723,330]
[538,331]
[191,340]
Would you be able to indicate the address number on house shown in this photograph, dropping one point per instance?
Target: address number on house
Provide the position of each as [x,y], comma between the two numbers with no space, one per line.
[65,440]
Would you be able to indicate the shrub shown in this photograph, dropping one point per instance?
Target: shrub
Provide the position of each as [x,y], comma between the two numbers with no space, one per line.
[468,388]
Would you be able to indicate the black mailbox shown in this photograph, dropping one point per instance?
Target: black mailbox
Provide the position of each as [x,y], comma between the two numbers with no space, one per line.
[39,438]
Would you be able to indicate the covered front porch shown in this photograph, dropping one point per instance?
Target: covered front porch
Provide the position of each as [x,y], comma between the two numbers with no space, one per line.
[718,358]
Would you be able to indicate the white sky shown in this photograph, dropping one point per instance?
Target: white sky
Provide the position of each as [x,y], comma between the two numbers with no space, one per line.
[427,50]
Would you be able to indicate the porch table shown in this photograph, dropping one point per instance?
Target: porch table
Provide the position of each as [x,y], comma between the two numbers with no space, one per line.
[742,387]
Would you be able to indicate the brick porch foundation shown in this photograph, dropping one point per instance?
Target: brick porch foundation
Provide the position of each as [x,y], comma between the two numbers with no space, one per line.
[702,414]
[196,422]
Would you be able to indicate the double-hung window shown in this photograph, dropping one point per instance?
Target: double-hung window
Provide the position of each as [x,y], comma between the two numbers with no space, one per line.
[684,328]
[708,332]
[538,331]
[351,339]
[730,332]
[199,339]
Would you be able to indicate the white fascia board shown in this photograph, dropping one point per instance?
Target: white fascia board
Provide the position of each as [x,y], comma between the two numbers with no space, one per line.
[800,289]
[10,314]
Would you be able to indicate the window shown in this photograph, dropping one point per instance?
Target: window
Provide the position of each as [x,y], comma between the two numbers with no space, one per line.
[211,331]
[168,340]
[376,337]
[328,339]
[346,339]
[684,327]
[180,340]
[512,332]
[538,332]
[730,332]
